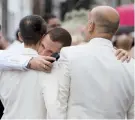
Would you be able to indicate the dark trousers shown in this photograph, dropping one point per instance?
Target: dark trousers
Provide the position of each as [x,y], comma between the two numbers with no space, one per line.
[1,109]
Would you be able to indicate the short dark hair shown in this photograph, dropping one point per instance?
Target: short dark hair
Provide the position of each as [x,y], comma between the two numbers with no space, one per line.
[32,28]
[16,34]
[47,17]
[60,35]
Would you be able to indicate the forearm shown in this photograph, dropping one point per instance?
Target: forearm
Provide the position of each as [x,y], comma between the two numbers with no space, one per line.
[16,62]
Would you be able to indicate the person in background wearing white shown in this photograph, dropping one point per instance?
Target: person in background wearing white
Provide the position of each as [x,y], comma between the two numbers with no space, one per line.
[17,43]
[91,82]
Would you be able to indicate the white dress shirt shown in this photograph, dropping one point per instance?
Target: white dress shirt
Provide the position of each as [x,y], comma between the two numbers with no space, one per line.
[12,58]
[92,83]
[23,93]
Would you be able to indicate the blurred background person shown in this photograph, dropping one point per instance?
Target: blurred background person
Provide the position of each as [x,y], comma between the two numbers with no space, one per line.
[3,42]
[52,21]
[17,42]
[123,42]
[77,39]
[75,22]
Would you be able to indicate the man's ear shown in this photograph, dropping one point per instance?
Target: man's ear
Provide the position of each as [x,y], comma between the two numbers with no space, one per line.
[91,27]
[20,37]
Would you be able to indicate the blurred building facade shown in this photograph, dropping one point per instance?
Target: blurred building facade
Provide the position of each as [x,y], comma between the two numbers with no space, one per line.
[11,11]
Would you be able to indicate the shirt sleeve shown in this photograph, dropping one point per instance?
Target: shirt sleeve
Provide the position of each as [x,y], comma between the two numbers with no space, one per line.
[56,92]
[10,61]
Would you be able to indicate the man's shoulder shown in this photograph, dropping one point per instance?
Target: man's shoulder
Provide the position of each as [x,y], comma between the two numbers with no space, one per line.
[15,46]
[73,50]
[70,48]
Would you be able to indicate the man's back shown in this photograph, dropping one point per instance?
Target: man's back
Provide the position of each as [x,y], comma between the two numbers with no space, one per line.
[101,86]
[21,95]
[21,92]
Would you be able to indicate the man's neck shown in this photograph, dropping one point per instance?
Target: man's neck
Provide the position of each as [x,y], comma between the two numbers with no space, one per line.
[28,46]
[102,35]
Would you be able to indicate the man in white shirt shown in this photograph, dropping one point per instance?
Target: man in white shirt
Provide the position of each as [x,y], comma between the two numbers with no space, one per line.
[25,94]
[92,83]
[17,43]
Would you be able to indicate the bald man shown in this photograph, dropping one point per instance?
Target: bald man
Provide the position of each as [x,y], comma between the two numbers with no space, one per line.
[91,82]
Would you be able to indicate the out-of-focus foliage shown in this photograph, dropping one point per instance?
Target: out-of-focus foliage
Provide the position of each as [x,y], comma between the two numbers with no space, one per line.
[75,22]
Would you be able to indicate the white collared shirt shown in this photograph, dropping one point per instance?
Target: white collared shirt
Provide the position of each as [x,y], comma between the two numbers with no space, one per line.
[23,93]
[92,83]
[15,46]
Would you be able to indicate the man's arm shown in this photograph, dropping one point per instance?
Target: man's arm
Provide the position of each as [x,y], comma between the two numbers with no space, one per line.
[56,92]
[10,61]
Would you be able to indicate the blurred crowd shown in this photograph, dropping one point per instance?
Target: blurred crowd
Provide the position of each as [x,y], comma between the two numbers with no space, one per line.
[75,23]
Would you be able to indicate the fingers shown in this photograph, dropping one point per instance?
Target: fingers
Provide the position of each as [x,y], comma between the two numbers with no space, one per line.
[120,55]
[124,58]
[46,68]
[49,64]
[40,64]
[48,58]
[118,51]
[123,55]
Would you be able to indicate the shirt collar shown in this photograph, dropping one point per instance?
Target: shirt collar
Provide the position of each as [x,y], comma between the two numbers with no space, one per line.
[29,51]
[101,41]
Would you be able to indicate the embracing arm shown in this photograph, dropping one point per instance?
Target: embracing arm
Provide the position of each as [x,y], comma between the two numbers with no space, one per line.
[10,61]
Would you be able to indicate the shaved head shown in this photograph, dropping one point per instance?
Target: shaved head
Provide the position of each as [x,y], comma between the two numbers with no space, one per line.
[105,18]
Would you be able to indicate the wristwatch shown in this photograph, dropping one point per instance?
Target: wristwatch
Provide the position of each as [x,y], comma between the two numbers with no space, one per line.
[29,64]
